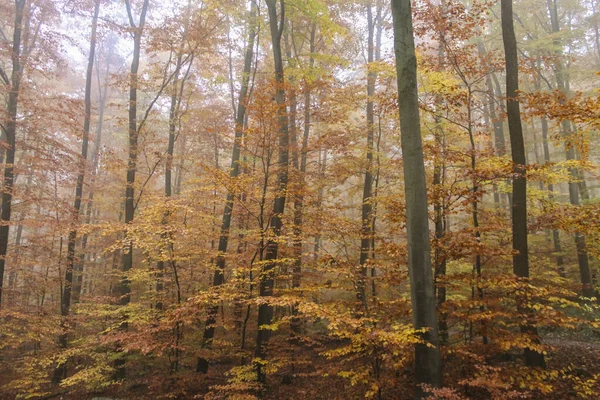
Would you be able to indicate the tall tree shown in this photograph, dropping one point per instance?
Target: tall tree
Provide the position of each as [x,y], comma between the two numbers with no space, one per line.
[65,303]
[10,131]
[301,166]
[133,130]
[519,182]
[267,279]
[546,151]
[567,131]
[367,200]
[234,172]
[428,367]
[103,90]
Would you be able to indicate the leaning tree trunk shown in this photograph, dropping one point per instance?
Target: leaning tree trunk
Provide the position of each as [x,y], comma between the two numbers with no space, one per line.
[65,304]
[428,367]
[519,185]
[234,172]
[10,131]
[265,310]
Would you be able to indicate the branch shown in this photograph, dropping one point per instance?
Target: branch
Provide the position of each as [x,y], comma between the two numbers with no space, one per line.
[129,15]
[4,76]
[152,171]
[282,22]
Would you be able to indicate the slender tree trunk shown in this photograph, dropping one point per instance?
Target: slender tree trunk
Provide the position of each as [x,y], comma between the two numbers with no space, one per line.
[176,97]
[320,195]
[167,236]
[78,269]
[65,305]
[234,172]
[127,257]
[519,203]
[367,201]
[265,310]
[179,174]
[299,197]
[10,131]
[428,367]
[546,151]
[561,83]
[439,208]
[498,125]
[379,21]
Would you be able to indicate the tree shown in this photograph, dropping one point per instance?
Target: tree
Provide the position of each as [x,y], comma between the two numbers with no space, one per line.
[519,182]
[133,131]
[68,286]
[10,131]
[234,172]
[428,367]
[267,280]
[367,216]
[561,75]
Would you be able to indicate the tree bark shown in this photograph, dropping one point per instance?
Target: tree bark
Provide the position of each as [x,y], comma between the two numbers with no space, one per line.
[127,257]
[265,310]
[561,83]
[299,196]
[546,152]
[428,367]
[10,132]
[367,201]
[519,185]
[234,172]
[65,305]
[102,96]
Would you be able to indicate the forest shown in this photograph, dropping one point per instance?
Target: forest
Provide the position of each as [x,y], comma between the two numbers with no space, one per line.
[300,199]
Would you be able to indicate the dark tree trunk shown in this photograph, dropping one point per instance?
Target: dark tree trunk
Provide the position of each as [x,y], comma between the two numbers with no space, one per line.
[367,201]
[428,367]
[519,186]
[10,132]
[103,93]
[234,172]
[439,208]
[127,257]
[265,310]
[65,304]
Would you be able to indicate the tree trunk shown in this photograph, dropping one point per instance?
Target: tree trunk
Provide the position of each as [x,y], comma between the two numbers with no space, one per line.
[499,139]
[519,186]
[234,172]
[65,304]
[127,257]
[561,83]
[546,151]
[299,197]
[10,131]
[103,94]
[440,262]
[428,368]
[367,201]
[265,310]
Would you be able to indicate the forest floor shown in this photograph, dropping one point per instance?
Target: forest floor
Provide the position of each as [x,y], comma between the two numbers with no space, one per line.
[578,355]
